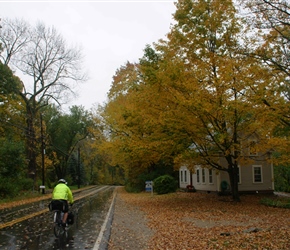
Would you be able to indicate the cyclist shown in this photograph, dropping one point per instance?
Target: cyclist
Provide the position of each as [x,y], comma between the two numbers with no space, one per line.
[63,193]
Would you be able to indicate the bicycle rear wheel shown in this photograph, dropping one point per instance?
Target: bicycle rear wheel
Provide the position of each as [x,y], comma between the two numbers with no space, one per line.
[58,229]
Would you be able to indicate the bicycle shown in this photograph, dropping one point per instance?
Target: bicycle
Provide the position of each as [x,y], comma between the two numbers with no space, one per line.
[57,208]
[58,228]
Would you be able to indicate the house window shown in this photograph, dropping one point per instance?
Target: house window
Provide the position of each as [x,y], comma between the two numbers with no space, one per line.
[257,174]
[203,175]
[185,175]
[181,175]
[210,179]
[252,148]
[197,176]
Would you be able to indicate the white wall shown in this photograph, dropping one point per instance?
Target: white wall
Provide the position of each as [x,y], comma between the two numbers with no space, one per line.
[184,177]
[203,184]
[246,179]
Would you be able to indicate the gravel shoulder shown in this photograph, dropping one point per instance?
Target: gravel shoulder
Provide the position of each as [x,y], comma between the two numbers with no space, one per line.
[129,227]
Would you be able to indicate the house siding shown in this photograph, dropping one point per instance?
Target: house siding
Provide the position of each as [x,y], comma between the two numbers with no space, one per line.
[264,174]
[247,178]
[184,177]
[246,183]
[205,186]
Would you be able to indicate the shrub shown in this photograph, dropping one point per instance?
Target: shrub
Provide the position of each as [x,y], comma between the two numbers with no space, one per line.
[280,202]
[134,187]
[7,188]
[282,178]
[25,184]
[165,184]
[10,188]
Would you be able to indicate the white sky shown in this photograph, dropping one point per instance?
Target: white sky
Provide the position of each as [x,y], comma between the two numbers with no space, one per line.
[109,32]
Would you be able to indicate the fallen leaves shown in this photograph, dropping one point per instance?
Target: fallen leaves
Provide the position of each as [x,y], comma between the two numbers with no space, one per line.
[204,221]
[24,201]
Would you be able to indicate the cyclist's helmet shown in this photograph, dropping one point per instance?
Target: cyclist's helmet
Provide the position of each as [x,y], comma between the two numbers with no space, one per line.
[62,181]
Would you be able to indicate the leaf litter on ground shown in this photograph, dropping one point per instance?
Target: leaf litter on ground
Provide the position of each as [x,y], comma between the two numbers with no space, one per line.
[184,221]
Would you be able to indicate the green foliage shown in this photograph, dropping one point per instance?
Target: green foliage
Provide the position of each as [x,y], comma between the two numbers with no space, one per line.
[11,187]
[137,184]
[25,184]
[8,188]
[11,158]
[72,169]
[276,202]
[9,84]
[66,133]
[74,173]
[165,184]
[282,178]
[157,170]
[132,187]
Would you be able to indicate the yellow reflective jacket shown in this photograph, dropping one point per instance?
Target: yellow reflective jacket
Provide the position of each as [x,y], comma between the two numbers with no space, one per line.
[62,192]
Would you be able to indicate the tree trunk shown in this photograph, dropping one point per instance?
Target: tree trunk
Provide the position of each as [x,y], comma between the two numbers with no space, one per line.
[233,175]
[31,146]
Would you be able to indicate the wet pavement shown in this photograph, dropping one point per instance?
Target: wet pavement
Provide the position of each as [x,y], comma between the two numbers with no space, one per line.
[37,233]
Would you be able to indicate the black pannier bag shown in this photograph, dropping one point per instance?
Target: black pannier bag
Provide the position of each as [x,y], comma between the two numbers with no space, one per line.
[70,218]
[56,205]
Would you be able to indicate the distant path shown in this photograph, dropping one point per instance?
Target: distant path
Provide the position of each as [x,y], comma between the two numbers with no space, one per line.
[284,194]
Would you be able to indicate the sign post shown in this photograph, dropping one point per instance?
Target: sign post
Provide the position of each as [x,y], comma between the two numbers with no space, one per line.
[149,186]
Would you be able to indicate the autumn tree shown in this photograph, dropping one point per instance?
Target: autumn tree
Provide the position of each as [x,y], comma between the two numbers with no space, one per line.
[10,101]
[271,19]
[96,155]
[12,129]
[196,96]
[11,104]
[120,119]
[130,126]
[208,86]
[47,67]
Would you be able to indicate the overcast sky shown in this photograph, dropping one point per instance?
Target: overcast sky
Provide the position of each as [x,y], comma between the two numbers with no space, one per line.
[109,32]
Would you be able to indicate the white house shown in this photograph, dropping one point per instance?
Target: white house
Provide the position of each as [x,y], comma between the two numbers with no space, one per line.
[256,177]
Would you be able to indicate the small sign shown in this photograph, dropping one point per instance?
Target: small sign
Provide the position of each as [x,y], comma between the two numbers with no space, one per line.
[148,186]
[42,187]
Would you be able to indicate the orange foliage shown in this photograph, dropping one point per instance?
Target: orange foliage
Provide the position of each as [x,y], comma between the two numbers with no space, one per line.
[207,221]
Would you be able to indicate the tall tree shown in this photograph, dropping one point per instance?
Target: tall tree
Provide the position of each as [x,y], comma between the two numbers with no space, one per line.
[196,94]
[41,54]
[271,19]
[208,86]
[65,132]
[118,116]
[12,128]
[11,104]
[130,126]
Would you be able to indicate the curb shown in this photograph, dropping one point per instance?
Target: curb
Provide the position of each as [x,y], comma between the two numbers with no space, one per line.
[105,232]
